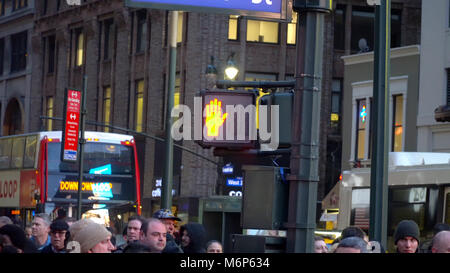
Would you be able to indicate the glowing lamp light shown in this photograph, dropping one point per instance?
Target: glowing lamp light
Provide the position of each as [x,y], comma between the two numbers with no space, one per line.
[231,72]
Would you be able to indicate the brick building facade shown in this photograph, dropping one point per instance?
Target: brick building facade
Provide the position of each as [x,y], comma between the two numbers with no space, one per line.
[123,52]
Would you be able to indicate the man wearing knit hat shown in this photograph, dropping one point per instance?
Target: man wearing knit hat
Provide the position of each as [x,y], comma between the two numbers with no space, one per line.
[407,237]
[92,237]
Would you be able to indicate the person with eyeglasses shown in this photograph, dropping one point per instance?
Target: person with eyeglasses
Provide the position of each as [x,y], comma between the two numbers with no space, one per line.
[59,234]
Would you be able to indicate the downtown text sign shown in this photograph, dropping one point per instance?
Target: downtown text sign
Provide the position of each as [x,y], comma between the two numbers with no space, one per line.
[269,9]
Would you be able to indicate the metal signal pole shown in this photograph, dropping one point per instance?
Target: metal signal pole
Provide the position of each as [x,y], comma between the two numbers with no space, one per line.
[306,125]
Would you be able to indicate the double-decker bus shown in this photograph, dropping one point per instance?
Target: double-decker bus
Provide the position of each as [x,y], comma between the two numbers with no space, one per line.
[418,189]
[34,179]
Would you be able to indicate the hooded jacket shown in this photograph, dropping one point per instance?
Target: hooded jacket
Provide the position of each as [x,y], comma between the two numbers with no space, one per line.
[197,236]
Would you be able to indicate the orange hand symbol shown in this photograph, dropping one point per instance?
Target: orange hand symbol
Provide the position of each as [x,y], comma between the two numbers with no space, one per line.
[214,117]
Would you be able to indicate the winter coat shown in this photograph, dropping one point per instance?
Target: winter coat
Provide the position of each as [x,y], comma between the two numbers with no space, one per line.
[197,235]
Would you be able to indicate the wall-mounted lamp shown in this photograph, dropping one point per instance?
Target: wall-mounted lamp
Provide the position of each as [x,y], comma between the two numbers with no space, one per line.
[231,70]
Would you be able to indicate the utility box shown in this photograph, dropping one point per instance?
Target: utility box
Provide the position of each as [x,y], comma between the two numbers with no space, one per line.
[265,197]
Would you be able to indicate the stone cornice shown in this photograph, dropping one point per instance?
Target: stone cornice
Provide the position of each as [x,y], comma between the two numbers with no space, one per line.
[397,52]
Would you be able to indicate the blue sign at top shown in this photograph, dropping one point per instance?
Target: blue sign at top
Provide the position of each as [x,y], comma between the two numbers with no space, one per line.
[253,8]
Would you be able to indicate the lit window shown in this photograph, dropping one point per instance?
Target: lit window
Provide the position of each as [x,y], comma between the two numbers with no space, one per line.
[139,105]
[180,27]
[361,130]
[107,108]
[233,27]
[292,30]
[79,40]
[397,126]
[50,105]
[262,31]
[176,95]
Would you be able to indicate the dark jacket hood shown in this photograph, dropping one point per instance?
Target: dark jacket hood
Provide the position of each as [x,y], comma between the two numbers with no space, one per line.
[197,235]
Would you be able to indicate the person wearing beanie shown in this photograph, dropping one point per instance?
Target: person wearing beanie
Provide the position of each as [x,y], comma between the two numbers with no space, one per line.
[92,237]
[407,237]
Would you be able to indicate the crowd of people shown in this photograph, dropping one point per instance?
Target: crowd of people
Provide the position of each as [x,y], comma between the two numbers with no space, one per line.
[159,235]
[406,239]
[141,235]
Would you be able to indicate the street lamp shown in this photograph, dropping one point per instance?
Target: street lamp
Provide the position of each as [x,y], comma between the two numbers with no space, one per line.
[231,70]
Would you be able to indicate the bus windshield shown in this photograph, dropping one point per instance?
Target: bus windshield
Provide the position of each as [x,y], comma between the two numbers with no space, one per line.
[99,158]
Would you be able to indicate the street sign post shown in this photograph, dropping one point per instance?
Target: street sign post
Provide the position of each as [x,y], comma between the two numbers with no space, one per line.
[70,132]
[269,9]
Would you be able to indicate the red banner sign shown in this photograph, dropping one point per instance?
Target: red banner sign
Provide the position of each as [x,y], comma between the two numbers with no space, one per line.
[71,125]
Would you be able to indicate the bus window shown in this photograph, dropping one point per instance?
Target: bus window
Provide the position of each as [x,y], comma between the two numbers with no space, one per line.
[30,152]
[447,206]
[96,155]
[408,203]
[17,152]
[360,208]
[5,153]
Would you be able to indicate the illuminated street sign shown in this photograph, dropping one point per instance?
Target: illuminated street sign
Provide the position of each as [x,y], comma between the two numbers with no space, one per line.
[70,132]
[271,9]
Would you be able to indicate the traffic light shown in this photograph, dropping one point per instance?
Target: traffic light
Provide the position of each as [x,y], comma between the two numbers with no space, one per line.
[228,119]
[285,103]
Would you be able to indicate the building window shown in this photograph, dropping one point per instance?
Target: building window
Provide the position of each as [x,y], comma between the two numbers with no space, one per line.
[176,94]
[141,31]
[336,94]
[262,31]
[396,28]
[44,7]
[397,126]
[50,105]
[233,27]
[139,106]
[180,27]
[108,42]
[51,53]
[2,7]
[2,54]
[448,86]
[339,27]
[362,117]
[292,30]
[79,47]
[107,107]
[58,5]
[19,51]
[363,23]
[19,4]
